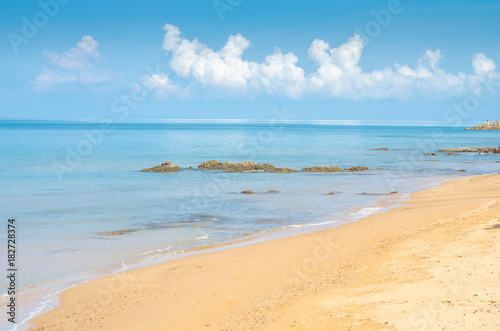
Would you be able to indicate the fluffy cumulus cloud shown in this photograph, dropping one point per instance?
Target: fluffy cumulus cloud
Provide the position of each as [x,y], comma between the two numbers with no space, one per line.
[77,65]
[162,84]
[227,69]
[337,72]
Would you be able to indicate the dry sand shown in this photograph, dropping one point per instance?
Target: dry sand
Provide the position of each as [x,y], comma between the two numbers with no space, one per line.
[432,264]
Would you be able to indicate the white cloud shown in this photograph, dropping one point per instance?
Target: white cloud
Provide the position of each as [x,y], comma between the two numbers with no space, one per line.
[226,69]
[162,84]
[338,73]
[77,65]
[482,65]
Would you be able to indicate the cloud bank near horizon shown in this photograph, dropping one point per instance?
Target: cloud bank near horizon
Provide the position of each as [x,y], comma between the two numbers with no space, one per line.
[337,74]
[337,71]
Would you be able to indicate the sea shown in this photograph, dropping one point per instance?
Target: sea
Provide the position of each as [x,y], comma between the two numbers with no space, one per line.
[83,208]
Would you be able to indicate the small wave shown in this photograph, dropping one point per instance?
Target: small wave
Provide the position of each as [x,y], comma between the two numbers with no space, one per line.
[364,212]
[202,237]
[294,226]
[153,251]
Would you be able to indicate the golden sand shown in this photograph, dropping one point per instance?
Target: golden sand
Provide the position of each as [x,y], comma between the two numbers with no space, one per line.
[433,263]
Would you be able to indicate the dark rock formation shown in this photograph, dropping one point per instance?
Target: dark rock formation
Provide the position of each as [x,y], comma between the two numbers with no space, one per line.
[233,167]
[164,167]
[322,169]
[472,150]
[357,169]
[248,192]
[242,166]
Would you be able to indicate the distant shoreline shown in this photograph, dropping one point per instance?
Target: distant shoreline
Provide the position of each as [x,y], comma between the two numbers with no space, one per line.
[486,126]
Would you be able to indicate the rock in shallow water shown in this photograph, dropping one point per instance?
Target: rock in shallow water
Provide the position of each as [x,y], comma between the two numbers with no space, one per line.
[357,169]
[471,150]
[281,170]
[242,166]
[323,169]
[164,167]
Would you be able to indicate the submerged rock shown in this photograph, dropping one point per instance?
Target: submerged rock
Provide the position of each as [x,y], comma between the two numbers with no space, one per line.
[380,149]
[356,169]
[118,232]
[280,170]
[492,150]
[272,191]
[376,194]
[329,193]
[323,169]
[429,154]
[248,192]
[164,167]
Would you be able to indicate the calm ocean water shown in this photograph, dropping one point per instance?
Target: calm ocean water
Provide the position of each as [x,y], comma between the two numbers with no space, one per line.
[70,185]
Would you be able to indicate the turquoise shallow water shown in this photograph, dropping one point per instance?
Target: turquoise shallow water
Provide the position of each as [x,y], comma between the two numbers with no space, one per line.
[68,183]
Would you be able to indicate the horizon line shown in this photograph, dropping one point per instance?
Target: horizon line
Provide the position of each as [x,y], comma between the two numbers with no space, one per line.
[254,121]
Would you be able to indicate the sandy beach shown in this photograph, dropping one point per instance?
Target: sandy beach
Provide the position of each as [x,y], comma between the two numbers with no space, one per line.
[432,263]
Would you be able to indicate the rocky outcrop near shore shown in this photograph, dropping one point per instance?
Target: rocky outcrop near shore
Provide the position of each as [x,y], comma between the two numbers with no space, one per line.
[248,166]
[491,150]
[322,169]
[242,166]
[486,126]
[164,167]
[356,169]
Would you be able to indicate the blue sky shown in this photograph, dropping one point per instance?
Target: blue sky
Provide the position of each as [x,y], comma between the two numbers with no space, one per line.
[363,60]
